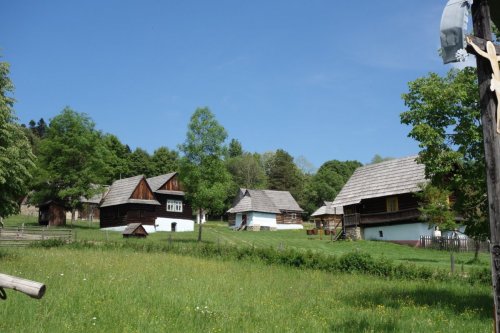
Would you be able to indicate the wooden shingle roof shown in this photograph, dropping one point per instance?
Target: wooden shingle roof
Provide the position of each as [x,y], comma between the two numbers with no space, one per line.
[266,201]
[121,191]
[328,209]
[392,177]
[156,182]
[132,227]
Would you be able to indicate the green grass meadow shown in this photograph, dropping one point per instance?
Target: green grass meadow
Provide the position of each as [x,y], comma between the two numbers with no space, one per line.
[127,290]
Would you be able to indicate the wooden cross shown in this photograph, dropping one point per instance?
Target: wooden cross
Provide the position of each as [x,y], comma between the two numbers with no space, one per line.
[490,51]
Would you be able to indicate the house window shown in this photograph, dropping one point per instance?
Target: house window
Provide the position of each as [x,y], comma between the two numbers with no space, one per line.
[174,206]
[380,233]
[392,204]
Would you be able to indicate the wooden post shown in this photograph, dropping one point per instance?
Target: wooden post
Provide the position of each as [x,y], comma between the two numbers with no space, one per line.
[482,29]
[200,224]
[31,288]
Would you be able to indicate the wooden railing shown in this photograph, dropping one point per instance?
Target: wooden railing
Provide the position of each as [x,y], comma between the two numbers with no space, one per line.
[351,220]
[23,236]
[384,217]
[400,215]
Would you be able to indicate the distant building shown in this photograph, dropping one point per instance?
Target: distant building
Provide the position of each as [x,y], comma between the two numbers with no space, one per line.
[140,200]
[51,213]
[379,202]
[256,209]
[328,216]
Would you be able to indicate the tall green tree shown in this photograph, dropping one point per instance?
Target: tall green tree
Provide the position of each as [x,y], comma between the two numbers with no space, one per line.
[139,163]
[164,161]
[203,172]
[235,149]
[444,116]
[16,158]
[327,182]
[116,159]
[247,171]
[70,160]
[331,177]
[283,174]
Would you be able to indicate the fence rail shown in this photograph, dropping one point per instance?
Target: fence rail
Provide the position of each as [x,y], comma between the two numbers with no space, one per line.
[23,236]
[460,244]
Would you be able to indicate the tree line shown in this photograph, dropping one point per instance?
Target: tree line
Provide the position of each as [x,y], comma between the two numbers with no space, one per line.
[67,159]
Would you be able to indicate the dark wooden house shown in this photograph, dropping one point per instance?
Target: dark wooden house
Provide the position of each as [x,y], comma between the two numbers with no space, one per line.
[135,230]
[52,213]
[129,200]
[379,202]
[141,200]
[168,191]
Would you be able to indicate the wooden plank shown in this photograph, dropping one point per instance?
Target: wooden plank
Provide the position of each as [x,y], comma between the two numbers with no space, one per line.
[488,104]
[481,43]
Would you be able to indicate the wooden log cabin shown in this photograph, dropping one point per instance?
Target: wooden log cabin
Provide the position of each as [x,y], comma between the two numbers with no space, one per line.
[328,216]
[52,213]
[140,200]
[379,202]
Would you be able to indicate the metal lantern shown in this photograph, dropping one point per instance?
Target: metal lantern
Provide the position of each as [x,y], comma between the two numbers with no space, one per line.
[453,27]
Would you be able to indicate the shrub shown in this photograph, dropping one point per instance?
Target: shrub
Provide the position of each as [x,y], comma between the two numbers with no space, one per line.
[48,243]
[356,262]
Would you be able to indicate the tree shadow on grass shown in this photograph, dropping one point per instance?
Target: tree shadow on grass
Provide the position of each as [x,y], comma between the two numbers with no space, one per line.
[186,241]
[418,260]
[364,325]
[432,297]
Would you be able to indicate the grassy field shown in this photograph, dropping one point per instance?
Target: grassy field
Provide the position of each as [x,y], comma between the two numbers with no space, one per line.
[125,291]
[111,289]
[219,233]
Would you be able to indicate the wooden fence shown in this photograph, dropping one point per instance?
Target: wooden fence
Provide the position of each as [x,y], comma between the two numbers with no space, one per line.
[23,236]
[461,244]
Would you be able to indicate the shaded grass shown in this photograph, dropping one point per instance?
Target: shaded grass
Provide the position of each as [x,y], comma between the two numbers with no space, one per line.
[120,290]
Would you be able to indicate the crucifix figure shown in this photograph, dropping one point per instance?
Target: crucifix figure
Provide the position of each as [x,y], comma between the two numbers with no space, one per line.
[492,56]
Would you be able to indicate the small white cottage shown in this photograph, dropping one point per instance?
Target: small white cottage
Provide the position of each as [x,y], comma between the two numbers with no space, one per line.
[257,209]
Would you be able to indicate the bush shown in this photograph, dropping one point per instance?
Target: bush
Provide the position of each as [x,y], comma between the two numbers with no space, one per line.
[356,262]
[353,262]
[48,243]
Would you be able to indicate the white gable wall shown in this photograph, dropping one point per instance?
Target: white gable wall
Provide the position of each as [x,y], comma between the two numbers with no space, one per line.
[399,232]
[165,224]
[257,218]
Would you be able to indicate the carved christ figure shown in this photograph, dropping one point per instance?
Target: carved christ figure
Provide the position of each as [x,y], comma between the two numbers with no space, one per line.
[491,55]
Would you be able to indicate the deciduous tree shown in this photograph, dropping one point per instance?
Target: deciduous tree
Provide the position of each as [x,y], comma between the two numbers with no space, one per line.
[235,148]
[203,172]
[247,171]
[16,158]
[70,160]
[444,116]
[164,161]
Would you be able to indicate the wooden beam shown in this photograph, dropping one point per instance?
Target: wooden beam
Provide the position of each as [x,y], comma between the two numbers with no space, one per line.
[481,43]
[31,288]
[495,12]
[488,104]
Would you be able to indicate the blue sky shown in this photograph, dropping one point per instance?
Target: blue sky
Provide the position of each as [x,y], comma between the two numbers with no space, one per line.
[320,79]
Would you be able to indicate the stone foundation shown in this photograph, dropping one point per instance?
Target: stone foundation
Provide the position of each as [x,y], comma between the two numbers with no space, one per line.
[353,233]
[254,227]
